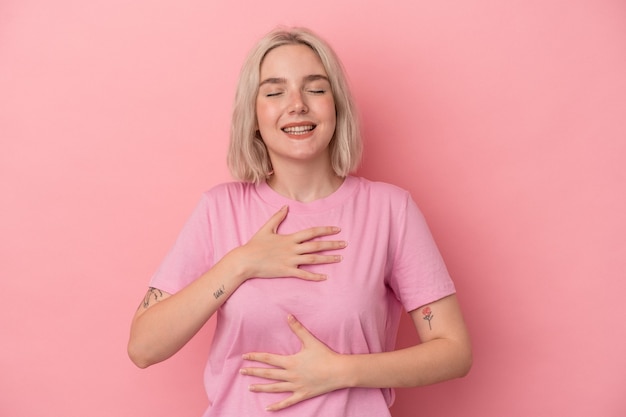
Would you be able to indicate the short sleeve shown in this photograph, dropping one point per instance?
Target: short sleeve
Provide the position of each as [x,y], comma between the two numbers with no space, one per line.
[191,256]
[419,275]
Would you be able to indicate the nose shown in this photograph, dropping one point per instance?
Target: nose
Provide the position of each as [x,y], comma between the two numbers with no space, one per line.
[297,103]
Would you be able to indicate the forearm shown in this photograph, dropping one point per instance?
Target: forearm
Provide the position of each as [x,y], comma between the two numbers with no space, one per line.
[427,363]
[316,369]
[165,327]
[162,329]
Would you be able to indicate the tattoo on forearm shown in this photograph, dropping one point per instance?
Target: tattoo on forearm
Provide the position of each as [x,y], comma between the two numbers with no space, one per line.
[220,291]
[428,315]
[153,294]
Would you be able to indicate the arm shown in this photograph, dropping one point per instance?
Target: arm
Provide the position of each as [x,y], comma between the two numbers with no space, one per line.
[444,353]
[164,323]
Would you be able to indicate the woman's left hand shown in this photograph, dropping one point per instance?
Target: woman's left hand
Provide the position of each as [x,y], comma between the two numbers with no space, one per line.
[311,372]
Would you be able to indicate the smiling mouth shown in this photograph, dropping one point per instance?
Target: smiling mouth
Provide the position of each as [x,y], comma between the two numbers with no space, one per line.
[298,130]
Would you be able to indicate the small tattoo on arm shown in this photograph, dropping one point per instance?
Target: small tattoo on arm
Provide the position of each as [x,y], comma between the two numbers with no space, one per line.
[428,315]
[153,294]
[220,291]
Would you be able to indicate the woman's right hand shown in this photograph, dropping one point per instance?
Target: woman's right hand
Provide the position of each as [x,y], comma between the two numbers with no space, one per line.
[163,324]
[270,255]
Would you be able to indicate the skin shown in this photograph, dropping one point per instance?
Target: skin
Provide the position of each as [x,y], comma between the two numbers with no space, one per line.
[444,353]
[294,92]
[164,323]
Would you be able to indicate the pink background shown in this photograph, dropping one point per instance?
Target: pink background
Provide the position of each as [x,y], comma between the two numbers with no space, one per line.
[506,120]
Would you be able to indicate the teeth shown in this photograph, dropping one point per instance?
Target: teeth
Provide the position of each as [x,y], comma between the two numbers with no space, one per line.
[298,130]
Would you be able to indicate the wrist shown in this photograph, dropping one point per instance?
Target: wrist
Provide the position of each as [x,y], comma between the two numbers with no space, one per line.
[235,266]
[346,368]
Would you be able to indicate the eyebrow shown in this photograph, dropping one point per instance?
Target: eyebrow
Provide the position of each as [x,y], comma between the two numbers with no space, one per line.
[280,80]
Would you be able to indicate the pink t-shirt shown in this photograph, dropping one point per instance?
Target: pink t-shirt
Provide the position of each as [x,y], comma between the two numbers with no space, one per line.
[391,263]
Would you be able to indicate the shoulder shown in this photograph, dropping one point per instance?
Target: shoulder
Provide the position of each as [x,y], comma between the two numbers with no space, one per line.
[225,196]
[382,190]
[228,189]
[382,197]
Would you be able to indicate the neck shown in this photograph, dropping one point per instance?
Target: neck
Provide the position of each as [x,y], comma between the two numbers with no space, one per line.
[303,185]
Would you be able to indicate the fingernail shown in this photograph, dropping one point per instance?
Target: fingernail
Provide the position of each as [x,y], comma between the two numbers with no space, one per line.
[291,318]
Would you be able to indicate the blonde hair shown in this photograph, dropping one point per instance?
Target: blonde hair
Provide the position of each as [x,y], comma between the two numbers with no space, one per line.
[248,159]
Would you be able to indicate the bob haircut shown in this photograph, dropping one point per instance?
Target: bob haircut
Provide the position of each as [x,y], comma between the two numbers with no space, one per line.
[248,159]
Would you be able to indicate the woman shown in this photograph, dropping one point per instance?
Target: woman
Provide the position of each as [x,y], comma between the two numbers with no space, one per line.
[307,267]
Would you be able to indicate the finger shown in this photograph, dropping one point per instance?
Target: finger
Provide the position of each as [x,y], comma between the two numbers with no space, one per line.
[321,245]
[277,218]
[301,272]
[313,232]
[273,387]
[288,402]
[312,259]
[274,374]
[307,276]
[299,330]
[266,358]
[308,259]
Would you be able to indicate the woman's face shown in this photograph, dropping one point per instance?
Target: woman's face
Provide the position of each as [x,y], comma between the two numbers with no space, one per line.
[295,108]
